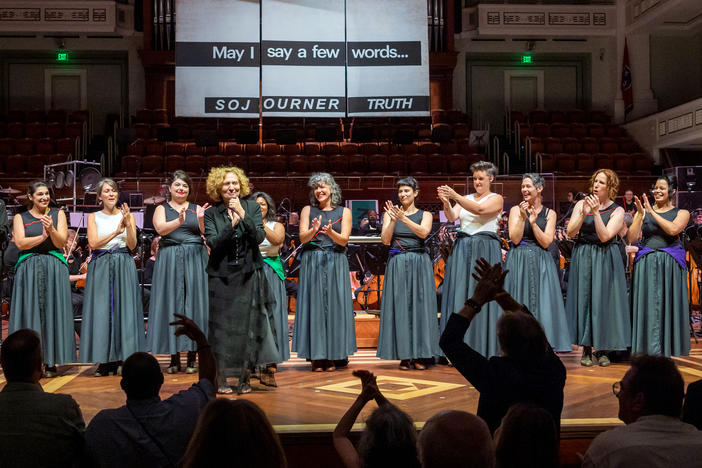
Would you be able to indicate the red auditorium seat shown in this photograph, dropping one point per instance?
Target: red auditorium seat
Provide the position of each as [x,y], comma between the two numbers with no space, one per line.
[194,149]
[541,130]
[385,148]
[409,149]
[290,149]
[56,116]
[152,164]
[216,160]
[536,145]
[25,146]
[143,130]
[599,116]
[15,129]
[525,132]
[7,146]
[585,163]
[349,148]
[34,130]
[538,116]
[557,116]
[35,164]
[196,164]
[565,162]
[517,116]
[643,164]
[277,165]
[590,145]
[316,162]
[614,130]
[233,148]
[428,148]
[577,115]
[156,128]
[398,163]
[174,162]
[79,116]
[436,163]
[271,148]
[461,130]
[339,163]
[75,129]
[358,163]
[312,148]
[135,148]
[458,164]
[55,129]
[418,164]
[45,146]
[438,116]
[57,158]
[66,145]
[330,148]
[297,164]
[154,147]
[623,163]
[560,130]
[130,165]
[571,145]
[16,164]
[548,163]
[448,148]
[578,130]
[595,129]
[174,148]
[377,164]
[627,145]
[239,160]
[184,131]
[553,145]
[608,145]
[603,161]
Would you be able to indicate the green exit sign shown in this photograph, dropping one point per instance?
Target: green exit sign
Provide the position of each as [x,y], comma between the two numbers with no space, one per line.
[62,56]
[526,59]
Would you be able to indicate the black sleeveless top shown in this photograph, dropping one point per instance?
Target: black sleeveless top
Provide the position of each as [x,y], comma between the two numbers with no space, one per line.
[654,237]
[188,231]
[335,216]
[34,228]
[588,234]
[403,238]
[541,221]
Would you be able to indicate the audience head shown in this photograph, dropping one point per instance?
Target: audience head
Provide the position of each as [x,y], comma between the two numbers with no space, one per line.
[652,385]
[21,356]
[320,181]
[456,439]
[608,178]
[628,196]
[389,439]
[526,438]
[141,376]
[236,431]
[521,337]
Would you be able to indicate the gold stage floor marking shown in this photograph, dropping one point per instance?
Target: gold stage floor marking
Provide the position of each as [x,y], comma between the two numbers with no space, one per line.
[396,388]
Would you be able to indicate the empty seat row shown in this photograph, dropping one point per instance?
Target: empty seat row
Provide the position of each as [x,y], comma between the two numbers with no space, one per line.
[22,165]
[29,146]
[577,129]
[570,115]
[40,129]
[53,115]
[573,145]
[586,163]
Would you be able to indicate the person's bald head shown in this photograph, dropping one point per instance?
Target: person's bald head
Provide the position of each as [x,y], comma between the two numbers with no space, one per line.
[456,439]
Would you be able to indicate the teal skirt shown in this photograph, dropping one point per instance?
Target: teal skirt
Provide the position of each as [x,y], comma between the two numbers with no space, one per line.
[179,285]
[280,312]
[113,318]
[533,281]
[409,328]
[241,324]
[660,307]
[459,285]
[41,301]
[596,305]
[324,320]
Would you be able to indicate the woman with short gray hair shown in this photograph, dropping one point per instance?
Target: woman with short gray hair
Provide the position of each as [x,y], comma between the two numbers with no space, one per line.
[532,279]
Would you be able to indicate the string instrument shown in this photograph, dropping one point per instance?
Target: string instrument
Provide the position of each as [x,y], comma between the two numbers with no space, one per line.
[439,272]
[368,296]
[83,271]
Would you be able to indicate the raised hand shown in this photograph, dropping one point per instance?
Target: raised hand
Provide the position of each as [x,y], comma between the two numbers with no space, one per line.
[369,386]
[181,216]
[235,205]
[447,192]
[390,210]
[188,328]
[201,210]
[524,210]
[532,214]
[639,207]
[327,227]
[490,278]
[316,223]
[646,203]
[47,223]
[126,218]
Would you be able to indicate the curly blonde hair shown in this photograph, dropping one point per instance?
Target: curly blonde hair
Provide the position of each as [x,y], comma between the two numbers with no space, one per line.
[215,179]
[612,182]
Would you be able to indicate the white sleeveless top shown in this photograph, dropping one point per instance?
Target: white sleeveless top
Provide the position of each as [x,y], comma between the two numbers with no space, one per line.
[107,224]
[267,249]
[472,223]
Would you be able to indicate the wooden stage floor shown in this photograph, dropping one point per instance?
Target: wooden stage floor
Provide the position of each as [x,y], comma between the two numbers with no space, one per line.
[308,401]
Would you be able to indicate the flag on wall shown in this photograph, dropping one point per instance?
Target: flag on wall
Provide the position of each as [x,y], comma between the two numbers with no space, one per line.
[627,90]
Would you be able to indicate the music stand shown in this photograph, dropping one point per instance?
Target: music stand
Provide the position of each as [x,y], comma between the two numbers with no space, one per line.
[693,245]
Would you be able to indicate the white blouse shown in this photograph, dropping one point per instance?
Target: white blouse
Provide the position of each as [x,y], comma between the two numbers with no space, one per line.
[472,223]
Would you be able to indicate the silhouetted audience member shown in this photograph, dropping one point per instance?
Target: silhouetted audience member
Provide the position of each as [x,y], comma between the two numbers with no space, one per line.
[692,408]
[650,399]
[234,433]
[456,439]
[389,439]
[526,438]
[36,428]
[527,371]
[147,431]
